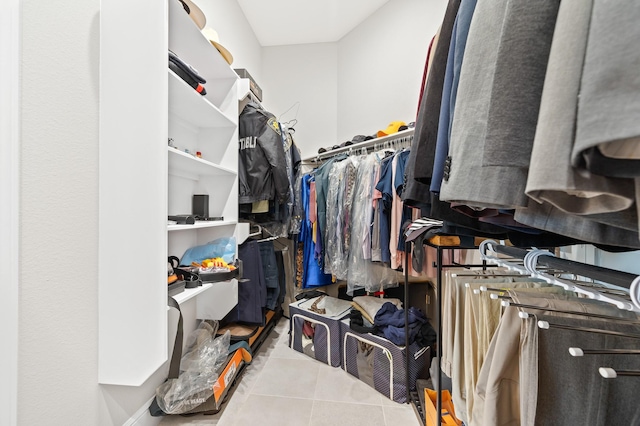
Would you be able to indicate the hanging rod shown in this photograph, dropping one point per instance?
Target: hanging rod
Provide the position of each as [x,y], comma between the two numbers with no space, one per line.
[532,258]
[360,145]
[610,276]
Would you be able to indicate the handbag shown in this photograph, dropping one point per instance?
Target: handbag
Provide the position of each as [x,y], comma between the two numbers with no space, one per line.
[188,275]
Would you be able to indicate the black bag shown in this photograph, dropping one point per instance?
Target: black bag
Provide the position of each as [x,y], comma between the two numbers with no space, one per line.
[187,274]
[187,73]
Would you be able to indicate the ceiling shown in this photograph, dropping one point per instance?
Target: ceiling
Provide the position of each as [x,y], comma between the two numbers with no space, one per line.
[283,22]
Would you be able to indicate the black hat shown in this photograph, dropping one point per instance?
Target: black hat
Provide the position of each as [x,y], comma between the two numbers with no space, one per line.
[361,138]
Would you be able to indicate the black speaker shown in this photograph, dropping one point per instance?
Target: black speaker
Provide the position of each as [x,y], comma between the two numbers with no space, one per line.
[200,206]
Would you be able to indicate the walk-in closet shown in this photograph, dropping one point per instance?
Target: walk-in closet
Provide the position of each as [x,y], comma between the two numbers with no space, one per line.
[370,212]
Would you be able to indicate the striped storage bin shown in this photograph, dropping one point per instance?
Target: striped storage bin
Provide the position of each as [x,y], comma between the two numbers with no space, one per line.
[317,335]
[383,365]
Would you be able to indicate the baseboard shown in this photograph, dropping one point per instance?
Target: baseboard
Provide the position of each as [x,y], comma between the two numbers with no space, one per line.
[142,417]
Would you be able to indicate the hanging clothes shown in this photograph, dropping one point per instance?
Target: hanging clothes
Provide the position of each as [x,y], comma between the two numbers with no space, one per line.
[384,185]
[262,170]
[312,275]
[321,175]
[455,57]
[270,273]
[252,291]
[524,361]
[607,129]
[421,160]
[342,180]
[510,115]
[362,272]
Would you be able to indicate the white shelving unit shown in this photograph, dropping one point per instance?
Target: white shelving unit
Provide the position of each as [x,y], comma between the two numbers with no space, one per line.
[201,224]
[192,107]
[183,164]
[143,176]
[208,124]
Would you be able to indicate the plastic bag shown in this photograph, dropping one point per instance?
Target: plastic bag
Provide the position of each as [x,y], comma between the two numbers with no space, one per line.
[331,233]
[222,247]
[362,272]
[199,370]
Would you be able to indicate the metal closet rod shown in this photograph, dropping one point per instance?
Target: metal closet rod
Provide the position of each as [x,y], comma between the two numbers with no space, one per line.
[366,144]
[610,276]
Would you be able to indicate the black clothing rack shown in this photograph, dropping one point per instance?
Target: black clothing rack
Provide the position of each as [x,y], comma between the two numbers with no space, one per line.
[598,273]
[545,259]
[610,276]
[413,396]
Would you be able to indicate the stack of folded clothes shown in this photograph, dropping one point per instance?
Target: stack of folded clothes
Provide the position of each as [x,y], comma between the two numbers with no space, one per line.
[385,318]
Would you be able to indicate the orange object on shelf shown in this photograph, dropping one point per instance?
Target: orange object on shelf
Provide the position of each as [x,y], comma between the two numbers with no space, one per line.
[445,240]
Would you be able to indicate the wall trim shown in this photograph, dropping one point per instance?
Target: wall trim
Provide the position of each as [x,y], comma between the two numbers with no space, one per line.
[9,212]
[142,416]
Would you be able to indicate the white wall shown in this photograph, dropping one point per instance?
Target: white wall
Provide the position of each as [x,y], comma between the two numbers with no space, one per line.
[236,35]
[380,66]
[308,74]
[58,323]
[359,85]
[9,207]
[627,262]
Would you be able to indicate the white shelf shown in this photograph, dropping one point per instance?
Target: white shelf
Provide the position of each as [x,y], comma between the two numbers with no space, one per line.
[190,293]
[215,300]
[186,41]
[202,224]
[218,301]
[192,107]
[188,166]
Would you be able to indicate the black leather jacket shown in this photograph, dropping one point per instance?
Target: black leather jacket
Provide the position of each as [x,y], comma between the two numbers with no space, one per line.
[262,168]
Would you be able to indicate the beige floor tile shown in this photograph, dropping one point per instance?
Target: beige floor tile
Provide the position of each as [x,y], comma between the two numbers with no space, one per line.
[267,410]
[285,387]
[280,349]
[282,326]
[288,378]
[199,419]
[335,384]
[329,413]
[390,402]
[403,414]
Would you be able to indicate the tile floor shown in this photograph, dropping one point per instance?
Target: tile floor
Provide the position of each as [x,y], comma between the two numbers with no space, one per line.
[282,387]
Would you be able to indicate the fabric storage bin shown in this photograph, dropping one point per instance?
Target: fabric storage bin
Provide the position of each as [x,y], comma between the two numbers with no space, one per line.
[318,335]
[383,365]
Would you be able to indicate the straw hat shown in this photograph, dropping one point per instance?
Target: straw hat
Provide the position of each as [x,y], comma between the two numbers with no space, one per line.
[195,13]
[212,36]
